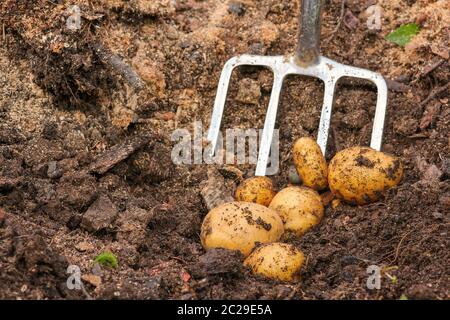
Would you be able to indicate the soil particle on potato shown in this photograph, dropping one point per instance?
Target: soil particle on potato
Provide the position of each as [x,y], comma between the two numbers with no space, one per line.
[262,223]
[364,162]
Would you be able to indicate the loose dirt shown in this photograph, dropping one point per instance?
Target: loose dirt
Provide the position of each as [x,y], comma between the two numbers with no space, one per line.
[87,116]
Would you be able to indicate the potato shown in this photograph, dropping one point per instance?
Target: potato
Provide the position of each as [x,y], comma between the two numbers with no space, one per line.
[240,226]
[256,189]
[276,261]
[310,163]
[300,208]
[361,175]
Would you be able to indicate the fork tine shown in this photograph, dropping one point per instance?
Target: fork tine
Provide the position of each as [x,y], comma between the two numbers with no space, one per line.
[380,113]
[219,103]
[269,126]
[325,118]
[382,97]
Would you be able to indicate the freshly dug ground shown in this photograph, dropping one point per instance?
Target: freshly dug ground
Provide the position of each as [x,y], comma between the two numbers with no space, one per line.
[85,147]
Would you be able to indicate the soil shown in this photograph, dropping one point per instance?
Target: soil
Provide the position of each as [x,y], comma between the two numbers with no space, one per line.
[86,122]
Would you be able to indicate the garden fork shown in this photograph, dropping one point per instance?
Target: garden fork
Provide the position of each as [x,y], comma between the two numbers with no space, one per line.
[306,61]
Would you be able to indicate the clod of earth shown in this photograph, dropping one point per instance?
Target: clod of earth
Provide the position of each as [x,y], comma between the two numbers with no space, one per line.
[249,92]
[214,190]
[117,154]
[219,261]
[100,215]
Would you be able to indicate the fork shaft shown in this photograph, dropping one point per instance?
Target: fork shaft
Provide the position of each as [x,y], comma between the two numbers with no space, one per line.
[308,50]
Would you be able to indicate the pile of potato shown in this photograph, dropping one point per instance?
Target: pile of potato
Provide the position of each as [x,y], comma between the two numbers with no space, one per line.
[260,218]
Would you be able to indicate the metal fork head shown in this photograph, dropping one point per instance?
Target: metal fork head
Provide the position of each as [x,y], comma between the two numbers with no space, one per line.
[327,70]
[307,61]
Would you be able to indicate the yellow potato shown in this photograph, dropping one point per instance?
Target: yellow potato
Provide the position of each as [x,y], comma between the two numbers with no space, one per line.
[310,163]
[300,208]
[256,189]
[276,261]
[240,226]
[361,175]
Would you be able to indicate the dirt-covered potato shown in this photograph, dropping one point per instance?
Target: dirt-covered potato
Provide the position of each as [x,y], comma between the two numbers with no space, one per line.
[361,175]
[276,261]
[240,226]
[256,189]
[300,208]
[310,163]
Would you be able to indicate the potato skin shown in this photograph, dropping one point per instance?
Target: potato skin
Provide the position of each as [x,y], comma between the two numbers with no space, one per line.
[310,163]
[240,226]
[361,175]
[279,261]
[300,208]
[257,190]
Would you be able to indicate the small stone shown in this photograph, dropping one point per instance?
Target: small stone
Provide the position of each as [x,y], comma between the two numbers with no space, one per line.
[249,91]
[100,215]
[97,270]
[96,281]
[437,215]
[350,20]
[53,172]
[84,246]
[293,176]
[237,8]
